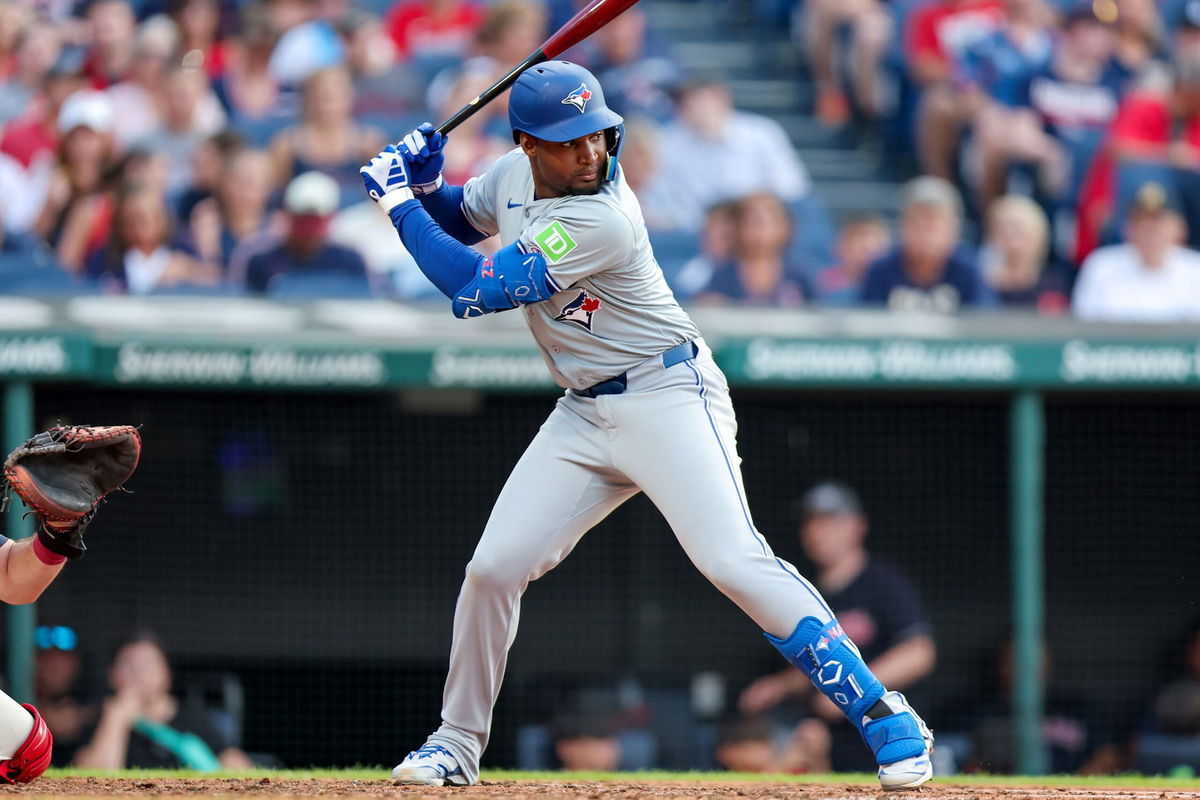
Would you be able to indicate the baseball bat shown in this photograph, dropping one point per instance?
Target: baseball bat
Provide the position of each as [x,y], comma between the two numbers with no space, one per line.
[592,18]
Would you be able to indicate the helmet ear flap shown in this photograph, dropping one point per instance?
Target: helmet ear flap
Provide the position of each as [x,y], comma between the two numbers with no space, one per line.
[614,138]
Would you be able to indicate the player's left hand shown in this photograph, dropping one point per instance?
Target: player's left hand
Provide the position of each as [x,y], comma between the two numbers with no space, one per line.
[386,174]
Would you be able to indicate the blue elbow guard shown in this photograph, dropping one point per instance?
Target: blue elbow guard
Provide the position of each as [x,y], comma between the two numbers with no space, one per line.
[831,661]
[513,277]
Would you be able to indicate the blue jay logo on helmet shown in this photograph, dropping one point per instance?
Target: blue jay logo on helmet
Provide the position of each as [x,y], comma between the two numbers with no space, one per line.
[578,98]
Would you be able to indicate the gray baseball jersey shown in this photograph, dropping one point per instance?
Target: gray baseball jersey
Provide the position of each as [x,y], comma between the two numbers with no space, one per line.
[670,433]
[617,309]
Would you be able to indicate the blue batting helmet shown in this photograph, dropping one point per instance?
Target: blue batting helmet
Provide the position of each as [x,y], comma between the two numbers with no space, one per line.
[558,101]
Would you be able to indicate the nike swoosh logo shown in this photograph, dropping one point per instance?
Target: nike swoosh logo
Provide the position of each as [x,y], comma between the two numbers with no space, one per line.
[511,204]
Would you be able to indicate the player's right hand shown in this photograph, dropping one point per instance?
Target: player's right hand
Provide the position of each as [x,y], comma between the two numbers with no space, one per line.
[422,152]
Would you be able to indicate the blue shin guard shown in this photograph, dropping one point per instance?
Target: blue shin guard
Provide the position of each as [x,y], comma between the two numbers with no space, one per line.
[831,661]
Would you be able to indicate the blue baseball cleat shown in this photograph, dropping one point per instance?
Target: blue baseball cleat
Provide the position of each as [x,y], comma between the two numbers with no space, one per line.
[429,765]
[902,744]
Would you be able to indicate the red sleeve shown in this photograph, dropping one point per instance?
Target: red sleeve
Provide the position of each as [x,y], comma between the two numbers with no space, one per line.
[1143,119]
[922,34]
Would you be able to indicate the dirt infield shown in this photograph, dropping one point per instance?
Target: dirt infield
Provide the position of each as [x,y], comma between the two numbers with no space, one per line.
[335,789]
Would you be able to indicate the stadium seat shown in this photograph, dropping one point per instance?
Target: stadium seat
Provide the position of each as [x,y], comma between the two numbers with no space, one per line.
[319,285]
[813,242]
[672,249]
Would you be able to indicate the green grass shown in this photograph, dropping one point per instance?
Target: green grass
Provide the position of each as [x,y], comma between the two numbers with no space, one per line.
[381,773]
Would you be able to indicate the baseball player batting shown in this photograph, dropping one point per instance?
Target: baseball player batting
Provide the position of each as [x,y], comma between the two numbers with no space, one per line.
[645,409]
[61,475]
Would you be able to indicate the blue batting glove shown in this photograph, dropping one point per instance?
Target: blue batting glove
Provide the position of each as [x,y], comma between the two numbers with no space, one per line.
[422,151]
[386,178]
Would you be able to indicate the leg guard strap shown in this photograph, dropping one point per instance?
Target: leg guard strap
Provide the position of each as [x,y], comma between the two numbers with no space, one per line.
[831,661]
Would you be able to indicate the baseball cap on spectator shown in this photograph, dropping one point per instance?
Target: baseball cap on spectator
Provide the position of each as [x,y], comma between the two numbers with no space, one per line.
[830,498]
[928,190]
[311,199]
[87,109]
[1153,197]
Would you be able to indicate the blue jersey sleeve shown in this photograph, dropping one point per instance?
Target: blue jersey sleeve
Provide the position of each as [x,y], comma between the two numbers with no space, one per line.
[445,206]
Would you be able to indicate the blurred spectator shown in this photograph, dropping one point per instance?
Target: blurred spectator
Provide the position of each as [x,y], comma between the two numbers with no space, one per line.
[509,32]
[586,740]
[1061,112]
[237,209]
[1073,737]
[861,240]
[635,82]
[716,248]
[639,165]
[871,31]
[56,672]
[1014,257]
[876,604]
[928,271]
[939,33]
[1140,32]
[424,29]
[1151,127]
[37,51]
[310,200]
[750,744]
[142,94]
[141,256]
[208,164]
[308,41]
[759,273]
[199,23]
[475,143]
[15,18]
[383,85]
[715,153]
[77,212]
[328,139]
[1170,735]
[1150,278]
[191,115]
[112,24]
[986,79]
[142,725]
[33,137]
[248,91]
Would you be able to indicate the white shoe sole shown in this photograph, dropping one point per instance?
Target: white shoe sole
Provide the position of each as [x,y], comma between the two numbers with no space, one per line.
[411,778]
[911,780]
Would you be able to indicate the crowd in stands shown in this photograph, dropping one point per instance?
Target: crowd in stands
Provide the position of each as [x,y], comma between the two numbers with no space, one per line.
[213,147]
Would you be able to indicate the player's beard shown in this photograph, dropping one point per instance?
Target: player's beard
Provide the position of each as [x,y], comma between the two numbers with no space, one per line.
[591,188]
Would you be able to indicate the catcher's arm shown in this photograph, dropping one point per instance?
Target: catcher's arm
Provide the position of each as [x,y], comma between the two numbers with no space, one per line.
[24,573]
[62,475]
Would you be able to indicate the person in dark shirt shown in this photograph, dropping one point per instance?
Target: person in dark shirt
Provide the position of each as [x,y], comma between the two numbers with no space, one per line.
[143,725]
[760,272]
[1014,258]
[310,200]
[927,271]
[1060,111]
[877,605]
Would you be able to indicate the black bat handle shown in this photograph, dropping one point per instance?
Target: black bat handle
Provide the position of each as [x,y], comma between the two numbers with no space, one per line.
[465,113]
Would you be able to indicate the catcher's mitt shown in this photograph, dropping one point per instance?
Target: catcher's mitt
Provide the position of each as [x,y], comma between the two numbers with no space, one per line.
[63,473]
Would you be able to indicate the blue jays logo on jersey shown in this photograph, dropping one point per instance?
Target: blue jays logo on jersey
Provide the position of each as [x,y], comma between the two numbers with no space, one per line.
[580,310]
[578,98]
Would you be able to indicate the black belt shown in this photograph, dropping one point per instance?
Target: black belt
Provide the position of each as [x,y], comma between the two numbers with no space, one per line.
[676,355]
